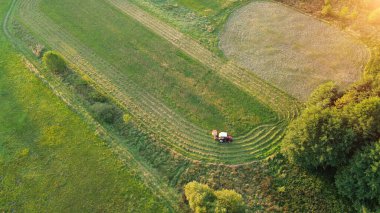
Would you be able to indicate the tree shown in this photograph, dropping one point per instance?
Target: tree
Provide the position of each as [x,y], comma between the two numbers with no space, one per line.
[365,88]
[360,180]
[54,62]
[324,96]
[229,201]
[201,198]
[319,138]
[365,119]
[105,112]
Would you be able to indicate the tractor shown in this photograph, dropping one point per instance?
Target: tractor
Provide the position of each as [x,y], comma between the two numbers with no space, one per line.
[222,137]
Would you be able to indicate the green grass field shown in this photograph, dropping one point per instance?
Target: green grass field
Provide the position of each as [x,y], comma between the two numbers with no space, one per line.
[169,94]
[158,68]
[49,159]
[52,159]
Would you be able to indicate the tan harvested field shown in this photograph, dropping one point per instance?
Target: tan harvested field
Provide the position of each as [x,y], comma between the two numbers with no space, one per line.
[293,51]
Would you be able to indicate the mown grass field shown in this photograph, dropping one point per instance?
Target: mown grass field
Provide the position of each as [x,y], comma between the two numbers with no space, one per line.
[292,50]
[171,157]
[169,94]
[50,159]
[157,67]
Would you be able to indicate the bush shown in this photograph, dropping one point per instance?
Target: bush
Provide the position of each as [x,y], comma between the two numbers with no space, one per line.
[229,201]
[359,91]
[354,14]
[373,66]
[54,62]
[344,12]
[318,138]
[374,17]
[105,112]
[360,180]
[38,50]
[127,118]
[201,198]
[324,96]
[365,119]
[327,10]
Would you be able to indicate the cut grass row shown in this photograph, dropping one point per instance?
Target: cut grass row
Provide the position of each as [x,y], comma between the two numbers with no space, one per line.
[171,129]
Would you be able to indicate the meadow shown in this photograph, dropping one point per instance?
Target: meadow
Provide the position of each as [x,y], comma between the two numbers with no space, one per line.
[160,139]
[156,67]
[50,159]
[178,121]
[233,29]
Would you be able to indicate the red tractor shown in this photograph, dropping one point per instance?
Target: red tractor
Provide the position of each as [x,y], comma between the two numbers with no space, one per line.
[222,137]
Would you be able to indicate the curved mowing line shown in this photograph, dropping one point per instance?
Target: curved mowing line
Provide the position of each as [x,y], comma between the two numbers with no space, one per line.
[171,129]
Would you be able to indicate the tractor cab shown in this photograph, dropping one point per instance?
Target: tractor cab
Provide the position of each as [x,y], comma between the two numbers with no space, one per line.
[222,137]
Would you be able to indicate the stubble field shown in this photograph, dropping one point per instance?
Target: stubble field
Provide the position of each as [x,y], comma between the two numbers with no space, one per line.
[291,50]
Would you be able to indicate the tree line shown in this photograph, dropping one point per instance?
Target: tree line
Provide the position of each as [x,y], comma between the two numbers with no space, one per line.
[338,133]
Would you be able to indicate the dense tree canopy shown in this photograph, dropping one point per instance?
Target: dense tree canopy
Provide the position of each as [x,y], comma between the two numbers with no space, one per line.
[368,87]
[360,180]
[340,131]
[365,118]
[324,96]
[318,138]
